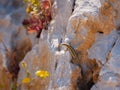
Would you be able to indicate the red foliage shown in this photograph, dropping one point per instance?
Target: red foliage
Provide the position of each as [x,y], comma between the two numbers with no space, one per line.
[46,4]
[40,18]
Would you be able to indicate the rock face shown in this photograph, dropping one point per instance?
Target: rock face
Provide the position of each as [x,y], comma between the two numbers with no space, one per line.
[85,24]
[89,26]
[5,76]
[14,42]
[109,74]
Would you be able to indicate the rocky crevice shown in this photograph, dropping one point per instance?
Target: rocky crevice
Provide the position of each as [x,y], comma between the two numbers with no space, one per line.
[89,26]
[14,42]
[15,55]
[82,30]
[18,51]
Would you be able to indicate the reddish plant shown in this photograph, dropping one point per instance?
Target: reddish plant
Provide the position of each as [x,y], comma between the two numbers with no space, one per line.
[39,12]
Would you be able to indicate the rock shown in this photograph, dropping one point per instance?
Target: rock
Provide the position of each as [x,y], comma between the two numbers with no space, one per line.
[58,25]
[109,74]
[36,60]
[14,42]
[101,48]
[46,56]
[85,22]
[91,27]
[90,21]
[5,81]
[9,6]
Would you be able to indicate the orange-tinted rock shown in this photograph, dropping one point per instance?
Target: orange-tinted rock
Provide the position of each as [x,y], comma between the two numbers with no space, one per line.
[5,81]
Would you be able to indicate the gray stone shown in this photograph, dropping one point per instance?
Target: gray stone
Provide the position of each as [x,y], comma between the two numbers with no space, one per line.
[102,47]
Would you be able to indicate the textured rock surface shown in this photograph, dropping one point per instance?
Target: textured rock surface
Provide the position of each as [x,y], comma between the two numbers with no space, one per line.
[90,22]
[102,47]
[109,74]
[90,26]
[57,62]
[5,76]
[14,42]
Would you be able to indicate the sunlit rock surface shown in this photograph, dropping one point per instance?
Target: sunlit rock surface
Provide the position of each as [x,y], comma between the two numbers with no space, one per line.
[5,80]
[47,55]
[14,42]
[102,47]
[110,73]
[89,26]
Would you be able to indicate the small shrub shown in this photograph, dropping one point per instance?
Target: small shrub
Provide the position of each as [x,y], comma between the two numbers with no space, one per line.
[39,15]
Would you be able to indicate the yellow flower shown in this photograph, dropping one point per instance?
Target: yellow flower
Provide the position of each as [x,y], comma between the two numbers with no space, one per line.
[42,74]
[26,80]
[24,64]
[29,9]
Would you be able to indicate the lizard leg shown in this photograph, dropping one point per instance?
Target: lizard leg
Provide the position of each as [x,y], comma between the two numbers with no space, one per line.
[75,61]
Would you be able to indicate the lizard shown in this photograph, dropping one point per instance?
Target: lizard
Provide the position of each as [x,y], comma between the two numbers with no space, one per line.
[75,57]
